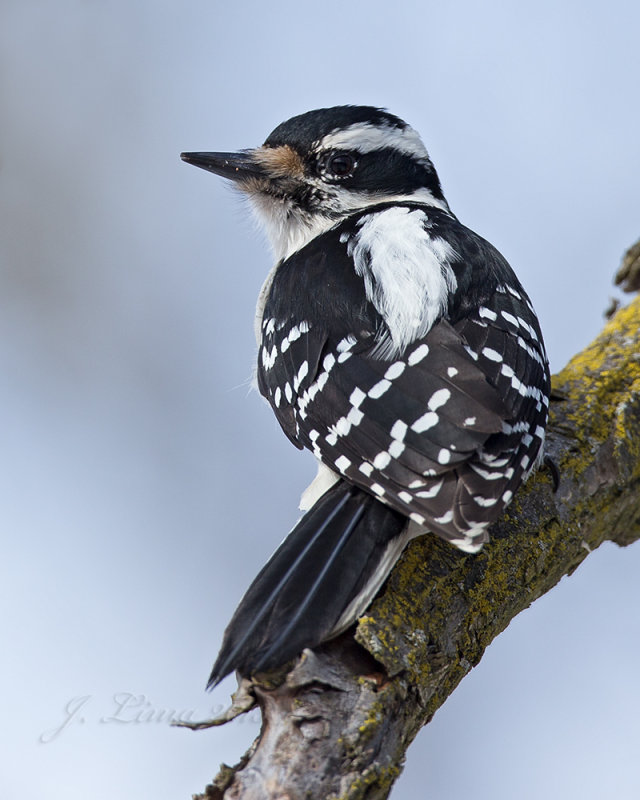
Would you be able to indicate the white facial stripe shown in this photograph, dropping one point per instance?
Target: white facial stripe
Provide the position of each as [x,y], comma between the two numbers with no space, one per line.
[343,202]
[365,138]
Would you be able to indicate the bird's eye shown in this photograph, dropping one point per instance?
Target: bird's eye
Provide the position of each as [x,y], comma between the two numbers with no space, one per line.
[338,165]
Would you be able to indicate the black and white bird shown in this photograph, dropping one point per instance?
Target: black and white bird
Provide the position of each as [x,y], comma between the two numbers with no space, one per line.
[396,345]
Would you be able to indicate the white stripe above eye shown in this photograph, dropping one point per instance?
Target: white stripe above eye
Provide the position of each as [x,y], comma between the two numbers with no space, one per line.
[363,137]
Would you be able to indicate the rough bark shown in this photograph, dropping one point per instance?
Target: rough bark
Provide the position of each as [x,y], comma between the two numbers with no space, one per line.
[338,723]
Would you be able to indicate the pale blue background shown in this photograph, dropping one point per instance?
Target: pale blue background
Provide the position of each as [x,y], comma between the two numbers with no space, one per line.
[142,485]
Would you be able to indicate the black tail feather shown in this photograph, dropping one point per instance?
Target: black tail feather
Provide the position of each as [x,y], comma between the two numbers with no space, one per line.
[327,560]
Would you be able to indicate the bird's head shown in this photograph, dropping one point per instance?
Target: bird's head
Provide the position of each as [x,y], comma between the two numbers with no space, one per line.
[320,167]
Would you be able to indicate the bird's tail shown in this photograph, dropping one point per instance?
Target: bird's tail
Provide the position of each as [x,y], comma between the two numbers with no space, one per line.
[317,582]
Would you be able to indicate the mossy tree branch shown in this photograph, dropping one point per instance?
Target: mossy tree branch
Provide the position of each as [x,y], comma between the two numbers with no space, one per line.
[338,723]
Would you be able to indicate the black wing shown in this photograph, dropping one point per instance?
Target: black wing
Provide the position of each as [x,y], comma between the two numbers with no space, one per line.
[445,431]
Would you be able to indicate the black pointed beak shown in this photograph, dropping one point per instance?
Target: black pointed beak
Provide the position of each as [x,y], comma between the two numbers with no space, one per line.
[234,166]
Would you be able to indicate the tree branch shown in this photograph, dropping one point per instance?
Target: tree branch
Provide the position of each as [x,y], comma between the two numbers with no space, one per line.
[338,723]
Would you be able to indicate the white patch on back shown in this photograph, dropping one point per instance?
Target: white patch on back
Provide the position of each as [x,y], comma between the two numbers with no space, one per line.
[407,273]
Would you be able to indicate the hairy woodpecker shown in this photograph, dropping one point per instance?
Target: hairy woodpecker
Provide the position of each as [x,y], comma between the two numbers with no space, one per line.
[395,344]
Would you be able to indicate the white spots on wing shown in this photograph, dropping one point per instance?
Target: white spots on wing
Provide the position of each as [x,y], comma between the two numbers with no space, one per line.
[523,389]
[532,352]
[378,457]
[516,427]
[444,456]
[317,386]
[416,356]
[430,493]
[382,460]
[396,448]
[395,370]
[328,362]
[487,313]
[491,354]
[399,430]
[506,289]
[314,435]
[321,381]
[425,422]
[485,502]
[430,418]
[515,383]
[510,318]
[357,396]
[378,389]
[269,358]
[485,473]
[285,344]
[302,374]
[515,319]
[438,399]
[531,331]
[346,344]
[344,348]
[294,334]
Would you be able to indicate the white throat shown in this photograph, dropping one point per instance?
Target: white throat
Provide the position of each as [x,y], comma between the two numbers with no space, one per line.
[287,228]
[290,229]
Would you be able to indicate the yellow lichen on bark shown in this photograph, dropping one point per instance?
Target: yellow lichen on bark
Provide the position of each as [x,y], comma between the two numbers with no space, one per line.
[604,379]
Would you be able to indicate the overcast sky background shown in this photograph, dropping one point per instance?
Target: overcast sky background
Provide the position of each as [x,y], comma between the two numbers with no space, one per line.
[142,486]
